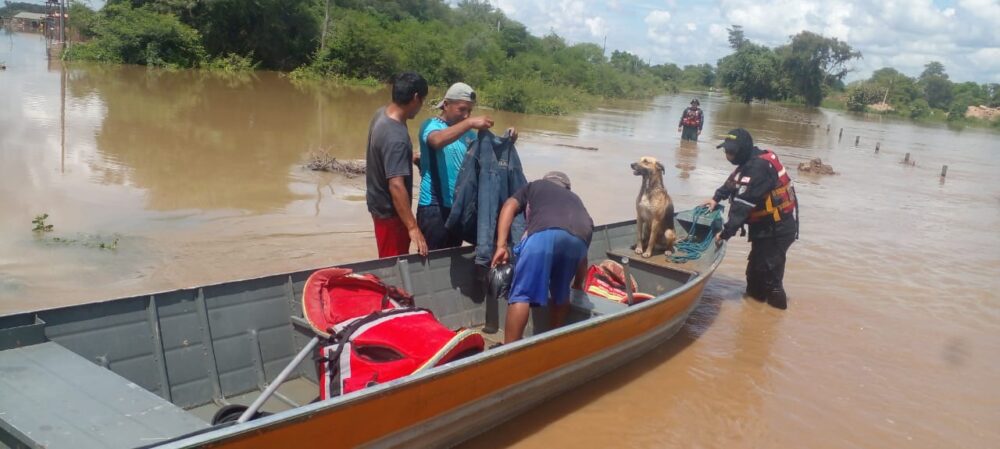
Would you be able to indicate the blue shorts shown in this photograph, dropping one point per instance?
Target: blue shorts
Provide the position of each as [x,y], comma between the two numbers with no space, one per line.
[546,263]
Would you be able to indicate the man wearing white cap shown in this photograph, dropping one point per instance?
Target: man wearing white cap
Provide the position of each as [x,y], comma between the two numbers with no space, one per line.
[444,141]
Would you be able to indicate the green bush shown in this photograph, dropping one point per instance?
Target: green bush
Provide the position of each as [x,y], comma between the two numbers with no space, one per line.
[920,109]
[860,96]
[232,63]
[127,35]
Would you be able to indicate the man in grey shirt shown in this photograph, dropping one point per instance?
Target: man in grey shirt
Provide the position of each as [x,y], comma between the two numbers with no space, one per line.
[389,176]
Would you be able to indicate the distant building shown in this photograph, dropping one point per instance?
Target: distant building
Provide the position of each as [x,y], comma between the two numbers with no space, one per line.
[28,21]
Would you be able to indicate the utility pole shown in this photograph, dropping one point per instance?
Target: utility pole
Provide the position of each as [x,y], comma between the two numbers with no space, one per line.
[604,49]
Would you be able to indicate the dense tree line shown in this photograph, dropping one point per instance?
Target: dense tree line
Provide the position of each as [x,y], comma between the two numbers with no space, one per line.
[931,93]
[807,69]
[374,39]
[10,9]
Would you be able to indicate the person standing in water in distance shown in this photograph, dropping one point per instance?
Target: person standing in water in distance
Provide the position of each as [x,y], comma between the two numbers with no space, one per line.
[692,119]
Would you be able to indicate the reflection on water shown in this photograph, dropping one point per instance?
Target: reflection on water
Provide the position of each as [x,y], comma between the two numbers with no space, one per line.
[893,330]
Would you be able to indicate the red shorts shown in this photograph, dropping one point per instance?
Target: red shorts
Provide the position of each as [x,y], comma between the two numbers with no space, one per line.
[391,237]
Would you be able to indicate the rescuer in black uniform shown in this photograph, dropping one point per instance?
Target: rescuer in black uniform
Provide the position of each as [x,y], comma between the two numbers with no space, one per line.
[761,196]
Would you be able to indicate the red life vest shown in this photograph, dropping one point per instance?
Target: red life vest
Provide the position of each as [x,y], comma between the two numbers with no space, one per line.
[691,118]
[780,201]
[373,332]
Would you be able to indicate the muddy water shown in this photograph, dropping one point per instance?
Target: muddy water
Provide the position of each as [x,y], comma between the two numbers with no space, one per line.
[891,339]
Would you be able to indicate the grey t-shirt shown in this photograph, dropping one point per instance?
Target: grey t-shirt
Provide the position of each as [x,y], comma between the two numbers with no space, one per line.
[547,205]
[389,154]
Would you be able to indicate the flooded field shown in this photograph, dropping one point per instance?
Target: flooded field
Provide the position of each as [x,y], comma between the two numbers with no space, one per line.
[891,338]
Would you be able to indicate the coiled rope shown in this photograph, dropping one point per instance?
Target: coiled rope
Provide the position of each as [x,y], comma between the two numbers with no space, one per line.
[690,248]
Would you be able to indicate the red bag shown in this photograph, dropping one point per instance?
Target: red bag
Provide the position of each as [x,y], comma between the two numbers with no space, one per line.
[374,333]
[607,280]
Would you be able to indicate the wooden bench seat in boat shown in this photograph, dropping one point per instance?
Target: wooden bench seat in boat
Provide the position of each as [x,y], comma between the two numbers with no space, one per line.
[53,398]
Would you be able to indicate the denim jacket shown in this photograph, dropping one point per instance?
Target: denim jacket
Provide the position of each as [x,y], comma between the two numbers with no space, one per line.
[490,173]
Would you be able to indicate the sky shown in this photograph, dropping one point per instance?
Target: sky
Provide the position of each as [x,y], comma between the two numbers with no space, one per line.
[964,35]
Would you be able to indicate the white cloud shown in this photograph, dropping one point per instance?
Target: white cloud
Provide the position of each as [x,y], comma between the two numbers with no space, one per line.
[905,34]
[597,26]
[658,18]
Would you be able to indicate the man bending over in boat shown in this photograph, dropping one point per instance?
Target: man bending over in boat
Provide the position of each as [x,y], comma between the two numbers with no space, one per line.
[552,254]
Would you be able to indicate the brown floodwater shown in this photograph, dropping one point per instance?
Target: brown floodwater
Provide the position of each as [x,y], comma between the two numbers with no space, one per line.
[892,337]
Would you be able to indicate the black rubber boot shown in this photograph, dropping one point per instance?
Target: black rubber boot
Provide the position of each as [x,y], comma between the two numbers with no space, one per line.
[755,292]
[777,299]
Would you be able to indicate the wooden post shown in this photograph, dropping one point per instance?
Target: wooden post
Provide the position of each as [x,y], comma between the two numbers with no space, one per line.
[841,135]
[944,171]
[857,139]
[906,160]
[828,128]
[877,145]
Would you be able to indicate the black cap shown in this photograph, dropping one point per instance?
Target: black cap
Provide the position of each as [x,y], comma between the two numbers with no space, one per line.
[695,101]
[736,139]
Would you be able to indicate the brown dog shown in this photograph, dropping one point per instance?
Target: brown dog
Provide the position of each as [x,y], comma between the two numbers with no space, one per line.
[654,209]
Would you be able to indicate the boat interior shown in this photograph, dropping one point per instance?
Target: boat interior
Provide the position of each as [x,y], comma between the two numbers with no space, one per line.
[138,371]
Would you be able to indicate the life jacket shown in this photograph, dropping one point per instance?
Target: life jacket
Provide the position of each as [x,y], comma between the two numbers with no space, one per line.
[779,203]
[372,333]
[607,280]
[691,118]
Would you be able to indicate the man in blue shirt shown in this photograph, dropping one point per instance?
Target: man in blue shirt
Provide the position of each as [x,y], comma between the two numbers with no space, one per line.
[444,141]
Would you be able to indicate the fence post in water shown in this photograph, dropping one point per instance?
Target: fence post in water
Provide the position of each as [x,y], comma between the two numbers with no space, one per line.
[906,159]
[857,139]
[944,171]
[877,145]
[841,135]
[828,128]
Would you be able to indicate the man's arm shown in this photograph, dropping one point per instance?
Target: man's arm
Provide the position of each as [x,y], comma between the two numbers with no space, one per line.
[401,203]
[761,182]
[507,213]
[444,137]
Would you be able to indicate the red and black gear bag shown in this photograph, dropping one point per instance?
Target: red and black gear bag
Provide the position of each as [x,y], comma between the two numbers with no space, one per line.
[373,332]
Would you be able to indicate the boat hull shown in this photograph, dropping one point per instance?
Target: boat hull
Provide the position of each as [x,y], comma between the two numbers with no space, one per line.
[461,401]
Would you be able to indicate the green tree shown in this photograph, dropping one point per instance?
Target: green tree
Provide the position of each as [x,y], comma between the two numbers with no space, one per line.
[933,69]
[667,72]
[938,91]
[813,63]
[701,75]
[736,37]
[627,62]
[861,95]
[750,73]
[10,9]
[937,88]
[127,35]
[993,89]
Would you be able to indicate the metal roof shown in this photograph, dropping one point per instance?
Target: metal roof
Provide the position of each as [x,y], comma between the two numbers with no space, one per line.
[30,16]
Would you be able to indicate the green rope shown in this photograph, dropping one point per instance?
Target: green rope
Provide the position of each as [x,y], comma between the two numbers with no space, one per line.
[691,249]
